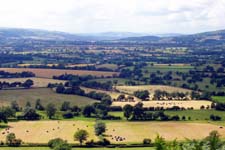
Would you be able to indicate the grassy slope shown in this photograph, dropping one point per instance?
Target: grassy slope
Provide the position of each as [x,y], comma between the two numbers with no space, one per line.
[46,95]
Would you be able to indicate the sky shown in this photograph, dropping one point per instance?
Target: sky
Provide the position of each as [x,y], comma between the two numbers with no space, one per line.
[92,16]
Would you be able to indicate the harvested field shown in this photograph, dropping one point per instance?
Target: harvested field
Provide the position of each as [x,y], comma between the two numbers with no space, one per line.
[30,132]
[49,73]
[196,104]
[38,82]
[46,95]
[131,132]
[151,89]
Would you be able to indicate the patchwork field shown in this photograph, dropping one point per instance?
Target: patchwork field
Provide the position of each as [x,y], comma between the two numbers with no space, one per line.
[168,104]
[46,95]
[49,73]
[114,95]
[38,82]
[30,132]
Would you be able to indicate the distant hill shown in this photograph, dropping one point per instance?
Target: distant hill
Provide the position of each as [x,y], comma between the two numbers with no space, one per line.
[14,33]
[206,37]
[142,38]
[17,33]
[8,34]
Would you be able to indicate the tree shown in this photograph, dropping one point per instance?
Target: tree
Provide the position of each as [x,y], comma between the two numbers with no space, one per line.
[59,144]
[213,140]
[15,106]
[51,110]
[65,106]
[127,111]
[28,83]
[100,128]
[88,110]
[81,135]
[38,105]
[28,104]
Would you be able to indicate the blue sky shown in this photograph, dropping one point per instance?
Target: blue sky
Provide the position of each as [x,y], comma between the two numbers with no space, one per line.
[91,16]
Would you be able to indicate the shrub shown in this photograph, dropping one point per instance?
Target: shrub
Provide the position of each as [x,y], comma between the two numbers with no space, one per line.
[147,141]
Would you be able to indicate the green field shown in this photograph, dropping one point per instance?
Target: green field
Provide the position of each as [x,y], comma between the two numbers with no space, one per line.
[46,95]
[196,115]
[219,99]
[46,148]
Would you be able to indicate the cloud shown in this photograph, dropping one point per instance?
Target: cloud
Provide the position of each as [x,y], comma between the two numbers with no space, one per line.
[77,16]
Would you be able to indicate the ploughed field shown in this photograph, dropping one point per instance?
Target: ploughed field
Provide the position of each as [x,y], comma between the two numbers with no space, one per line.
[49,73]
[129,132]
[38,82]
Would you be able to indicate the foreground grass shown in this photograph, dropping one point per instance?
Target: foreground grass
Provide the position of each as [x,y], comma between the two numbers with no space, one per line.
[46,148]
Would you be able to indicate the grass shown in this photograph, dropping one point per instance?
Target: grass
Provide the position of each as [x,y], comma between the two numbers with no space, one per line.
[44,94]
[200,115]
[196,115]
[219,99]
[46,148]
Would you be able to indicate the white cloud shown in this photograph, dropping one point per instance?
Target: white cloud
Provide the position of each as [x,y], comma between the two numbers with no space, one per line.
[114,15]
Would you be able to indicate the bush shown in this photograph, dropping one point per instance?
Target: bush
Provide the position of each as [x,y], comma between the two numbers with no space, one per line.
[68,115]
[215,118]
[103,142]
[59,144]
[147,141]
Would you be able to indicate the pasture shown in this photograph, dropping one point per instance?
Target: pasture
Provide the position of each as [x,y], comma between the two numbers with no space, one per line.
[219,99]
[30,132]
[38,82]
[168,104]
[49,73]
[46,95]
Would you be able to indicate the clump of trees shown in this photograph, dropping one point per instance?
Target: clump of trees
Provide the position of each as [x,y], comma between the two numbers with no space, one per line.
[27,84]
[138,113]
[12,141]
[144,95]
[24,74]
